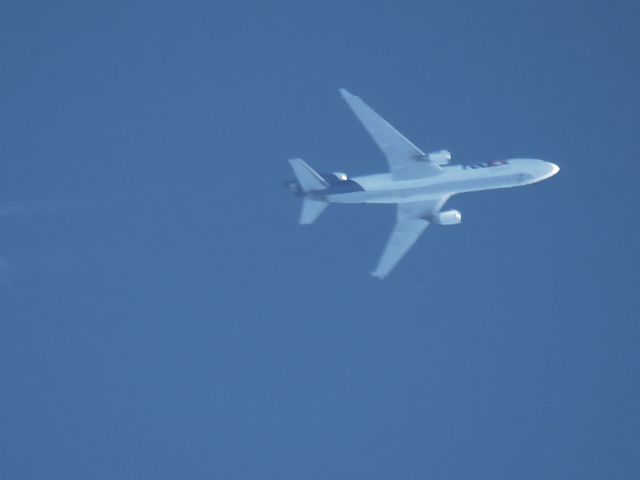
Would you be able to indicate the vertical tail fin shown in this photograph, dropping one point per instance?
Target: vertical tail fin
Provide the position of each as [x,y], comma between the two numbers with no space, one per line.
[307,177]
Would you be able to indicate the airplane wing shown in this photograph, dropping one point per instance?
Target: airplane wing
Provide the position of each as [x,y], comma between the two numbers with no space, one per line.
[404,158]
[411,221]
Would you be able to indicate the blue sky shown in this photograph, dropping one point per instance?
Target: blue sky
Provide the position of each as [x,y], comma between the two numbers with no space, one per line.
[162,315]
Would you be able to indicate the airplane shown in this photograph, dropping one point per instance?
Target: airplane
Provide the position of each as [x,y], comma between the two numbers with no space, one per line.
[419,183]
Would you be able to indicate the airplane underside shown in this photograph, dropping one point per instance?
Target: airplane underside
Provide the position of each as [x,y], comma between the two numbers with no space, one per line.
[409,194]
[418,183]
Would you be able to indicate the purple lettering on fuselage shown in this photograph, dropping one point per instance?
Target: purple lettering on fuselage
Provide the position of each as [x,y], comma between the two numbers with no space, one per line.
[492,163]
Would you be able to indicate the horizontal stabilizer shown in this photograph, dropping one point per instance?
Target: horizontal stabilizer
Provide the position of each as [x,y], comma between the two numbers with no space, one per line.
[306,176]
[311,209]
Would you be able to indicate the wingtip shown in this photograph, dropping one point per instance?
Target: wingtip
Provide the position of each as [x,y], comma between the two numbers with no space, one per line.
[345,93]
[377,275]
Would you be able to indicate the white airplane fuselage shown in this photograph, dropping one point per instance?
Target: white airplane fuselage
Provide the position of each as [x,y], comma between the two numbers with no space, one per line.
[452,180]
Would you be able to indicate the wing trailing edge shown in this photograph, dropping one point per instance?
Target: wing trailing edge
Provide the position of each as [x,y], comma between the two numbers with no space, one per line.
[411,221]
[405,160]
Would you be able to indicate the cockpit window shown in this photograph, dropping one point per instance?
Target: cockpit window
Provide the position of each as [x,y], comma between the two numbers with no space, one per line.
[341,176]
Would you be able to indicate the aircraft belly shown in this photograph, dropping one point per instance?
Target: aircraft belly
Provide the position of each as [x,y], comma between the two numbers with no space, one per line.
[415,191]
[386,196]
[352,197]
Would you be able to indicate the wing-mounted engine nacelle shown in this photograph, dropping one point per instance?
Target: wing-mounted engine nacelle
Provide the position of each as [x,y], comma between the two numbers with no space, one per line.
[441,157]
[449,217]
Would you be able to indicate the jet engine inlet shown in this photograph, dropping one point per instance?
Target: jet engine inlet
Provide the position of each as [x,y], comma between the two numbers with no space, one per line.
[449,217]
[441,157]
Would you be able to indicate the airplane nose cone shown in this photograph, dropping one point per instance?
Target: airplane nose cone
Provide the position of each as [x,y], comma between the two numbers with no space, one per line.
[550,169]
[554,168]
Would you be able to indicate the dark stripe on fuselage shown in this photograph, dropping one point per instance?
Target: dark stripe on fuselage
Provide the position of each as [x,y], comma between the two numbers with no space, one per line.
[337,185]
